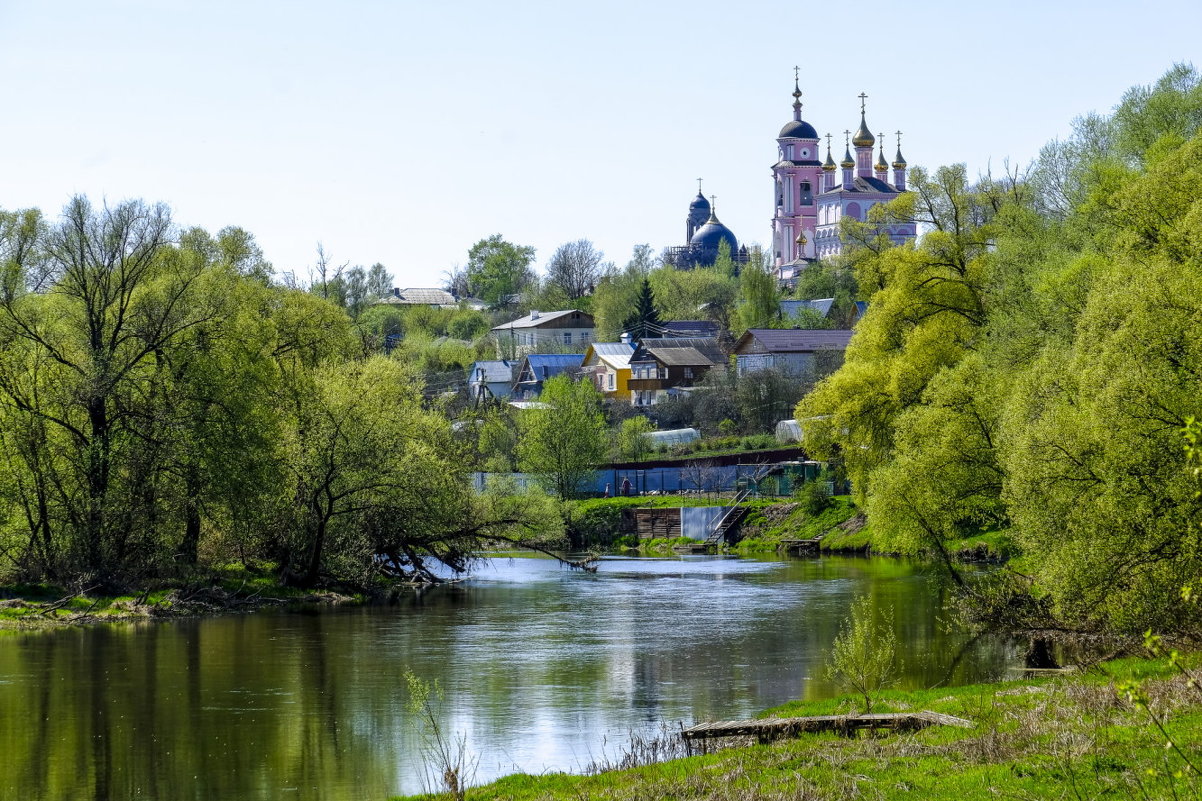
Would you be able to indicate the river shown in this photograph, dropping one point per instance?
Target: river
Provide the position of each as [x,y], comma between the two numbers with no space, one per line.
[542,668]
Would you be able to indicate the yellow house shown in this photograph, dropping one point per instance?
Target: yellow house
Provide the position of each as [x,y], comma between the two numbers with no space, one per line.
[608,363]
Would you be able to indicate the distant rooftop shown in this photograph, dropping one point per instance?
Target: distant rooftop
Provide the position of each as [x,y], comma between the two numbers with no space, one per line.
[794,340]
[420,296]
[536,318]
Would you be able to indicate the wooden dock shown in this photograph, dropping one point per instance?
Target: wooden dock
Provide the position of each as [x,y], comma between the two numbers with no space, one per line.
[769,729]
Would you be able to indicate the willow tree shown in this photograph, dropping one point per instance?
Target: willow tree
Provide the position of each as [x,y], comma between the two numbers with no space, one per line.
[926,314]
[105,299]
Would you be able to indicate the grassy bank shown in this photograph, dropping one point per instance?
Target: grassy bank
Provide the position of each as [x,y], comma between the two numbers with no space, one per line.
[229,590]
[1078,737]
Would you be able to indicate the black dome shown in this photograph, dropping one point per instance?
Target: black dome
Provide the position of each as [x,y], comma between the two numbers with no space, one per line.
[709,235]
[700,202]
[798,129]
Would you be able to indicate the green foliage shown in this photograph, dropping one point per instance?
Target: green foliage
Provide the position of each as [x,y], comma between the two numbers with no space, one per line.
[617,292]
[759,301]
[633,441]
[497,270]
[644,320]
[863,659]
[1028,365]
[813,496]
[701,294]
[446,757]
[563,442]
[165,409]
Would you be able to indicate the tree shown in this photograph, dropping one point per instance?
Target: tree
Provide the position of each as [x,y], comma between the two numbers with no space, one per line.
[379,281]
[928,310]
[617,293]
[864,656]
[498,270]
[703,293]
[563,443]
[644,321]
[759,305]
[575,268]
[82,365]
[634,442]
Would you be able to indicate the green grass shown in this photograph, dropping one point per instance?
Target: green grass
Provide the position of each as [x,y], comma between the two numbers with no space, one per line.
[995,545]
[665,545]
[766,526]
[1071,737]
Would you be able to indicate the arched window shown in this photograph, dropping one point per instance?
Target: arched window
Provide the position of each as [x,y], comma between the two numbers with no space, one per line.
[853,210]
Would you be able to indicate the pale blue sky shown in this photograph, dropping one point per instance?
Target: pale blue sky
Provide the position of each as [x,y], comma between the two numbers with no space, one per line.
[403,132]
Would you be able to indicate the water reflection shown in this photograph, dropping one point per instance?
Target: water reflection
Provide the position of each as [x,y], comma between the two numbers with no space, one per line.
[543,668]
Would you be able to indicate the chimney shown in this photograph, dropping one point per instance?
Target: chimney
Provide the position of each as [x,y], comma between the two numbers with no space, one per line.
[396,291]
[534,314]
[625,338]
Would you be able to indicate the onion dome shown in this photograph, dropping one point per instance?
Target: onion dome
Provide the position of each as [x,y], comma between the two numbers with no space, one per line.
[829,165]
[798,129]
[848,161]
[899,163]
[882,165]
[863,137]
[699,204]
[709,235]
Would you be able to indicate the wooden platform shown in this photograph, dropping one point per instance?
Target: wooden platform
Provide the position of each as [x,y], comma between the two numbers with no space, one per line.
[769,729]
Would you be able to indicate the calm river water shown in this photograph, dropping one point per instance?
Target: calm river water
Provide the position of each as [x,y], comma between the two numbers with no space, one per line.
[544,669]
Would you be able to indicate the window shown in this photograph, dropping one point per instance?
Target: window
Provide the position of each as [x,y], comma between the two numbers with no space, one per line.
[688,372]
[613,382]
[567,337]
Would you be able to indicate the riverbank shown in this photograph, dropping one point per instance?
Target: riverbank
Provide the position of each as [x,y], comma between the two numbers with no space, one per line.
[1127,728]
[230,591]
[769,525]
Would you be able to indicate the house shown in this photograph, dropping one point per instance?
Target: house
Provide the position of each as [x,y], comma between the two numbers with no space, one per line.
[658,367]
[536,368]
[792,308]
[490,380]
[807,352]
[569,328]
[690,328]
[420,296]
[608,363]
[825,307]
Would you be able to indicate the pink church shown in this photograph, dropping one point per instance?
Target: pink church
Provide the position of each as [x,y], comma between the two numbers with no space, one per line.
[812,196]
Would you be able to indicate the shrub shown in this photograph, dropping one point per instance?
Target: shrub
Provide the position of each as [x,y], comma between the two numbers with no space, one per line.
[864,657]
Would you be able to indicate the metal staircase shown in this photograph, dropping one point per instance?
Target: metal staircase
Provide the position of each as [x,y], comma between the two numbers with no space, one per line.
[729,520]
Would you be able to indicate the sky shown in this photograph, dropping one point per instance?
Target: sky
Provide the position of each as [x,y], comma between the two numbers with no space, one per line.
[403,132]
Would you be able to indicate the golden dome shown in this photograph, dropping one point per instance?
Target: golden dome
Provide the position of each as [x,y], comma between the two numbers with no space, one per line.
[881,164]
[829,165]
[848,161]
[863,137]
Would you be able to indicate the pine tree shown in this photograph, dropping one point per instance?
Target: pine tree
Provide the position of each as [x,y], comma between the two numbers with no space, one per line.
[644,320]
